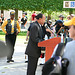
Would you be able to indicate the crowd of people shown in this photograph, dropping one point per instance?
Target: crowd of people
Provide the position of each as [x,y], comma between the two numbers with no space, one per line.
[60,27]
[37,30]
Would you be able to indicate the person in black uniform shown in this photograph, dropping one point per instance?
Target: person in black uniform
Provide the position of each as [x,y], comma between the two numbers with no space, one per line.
[12,30]
[32,50]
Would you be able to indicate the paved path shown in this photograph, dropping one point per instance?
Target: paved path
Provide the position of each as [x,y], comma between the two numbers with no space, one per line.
[19,67]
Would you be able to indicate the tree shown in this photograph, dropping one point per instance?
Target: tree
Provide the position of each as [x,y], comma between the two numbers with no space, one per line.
[21,5]
[46,6]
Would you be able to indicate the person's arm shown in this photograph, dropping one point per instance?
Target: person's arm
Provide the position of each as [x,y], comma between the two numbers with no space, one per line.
[34,34]
[18,27]
[27,35]
[60,30]
[48,30]
[66,31]
[3,27]
[28,31]
[25,23]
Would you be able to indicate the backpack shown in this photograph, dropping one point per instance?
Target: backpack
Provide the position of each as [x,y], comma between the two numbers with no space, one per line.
[52,67]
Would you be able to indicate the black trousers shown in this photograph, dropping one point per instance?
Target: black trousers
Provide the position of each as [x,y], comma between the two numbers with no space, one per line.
[32,65]
[10,41]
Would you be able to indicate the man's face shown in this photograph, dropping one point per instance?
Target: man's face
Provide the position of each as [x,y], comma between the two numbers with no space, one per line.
[1,15]
[42,20]
[72,32]
[12,16]
[23,15]
[61,18]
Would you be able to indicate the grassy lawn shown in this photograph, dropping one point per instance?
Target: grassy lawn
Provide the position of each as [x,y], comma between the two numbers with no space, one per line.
[22,33]
[19,38]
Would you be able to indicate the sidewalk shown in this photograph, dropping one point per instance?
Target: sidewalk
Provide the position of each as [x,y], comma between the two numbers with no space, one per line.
[19,67]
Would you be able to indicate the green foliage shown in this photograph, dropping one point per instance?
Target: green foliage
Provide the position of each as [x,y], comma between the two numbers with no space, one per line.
[45,6]
[22,33]
[54,15]
[21,4]
[53,5]
[36,5]
[2,33]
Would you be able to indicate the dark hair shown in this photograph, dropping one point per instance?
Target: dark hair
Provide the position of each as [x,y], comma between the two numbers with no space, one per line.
[26,13]
[39,16]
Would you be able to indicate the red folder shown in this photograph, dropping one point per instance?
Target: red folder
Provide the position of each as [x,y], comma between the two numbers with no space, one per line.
[49,46]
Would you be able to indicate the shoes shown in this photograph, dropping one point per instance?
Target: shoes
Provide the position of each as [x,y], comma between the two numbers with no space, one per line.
[26,61]
[8,61]
[41,64]
[12,60]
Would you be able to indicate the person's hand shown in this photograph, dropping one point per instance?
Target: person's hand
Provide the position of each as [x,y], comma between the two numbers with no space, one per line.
[27,38]
[24,25]
[62,27]
[6,33]
[17,33]
[49,30]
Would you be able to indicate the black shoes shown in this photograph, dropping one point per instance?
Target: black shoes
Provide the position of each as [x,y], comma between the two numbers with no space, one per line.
[26,61]
[8,61]
[41,64]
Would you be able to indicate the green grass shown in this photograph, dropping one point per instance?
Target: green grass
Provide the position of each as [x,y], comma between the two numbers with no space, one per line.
[2,33]
[22,33]
[18,39]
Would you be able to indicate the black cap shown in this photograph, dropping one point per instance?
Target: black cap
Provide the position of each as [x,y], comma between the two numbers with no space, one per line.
[59,21]
[12,13]
[61,16]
